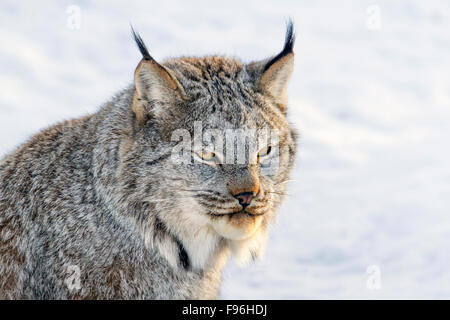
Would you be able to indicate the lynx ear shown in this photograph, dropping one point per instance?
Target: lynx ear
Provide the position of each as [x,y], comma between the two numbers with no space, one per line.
[274,73]
[156,86]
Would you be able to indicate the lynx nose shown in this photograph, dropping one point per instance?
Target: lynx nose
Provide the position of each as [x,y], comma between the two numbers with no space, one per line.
[244,198]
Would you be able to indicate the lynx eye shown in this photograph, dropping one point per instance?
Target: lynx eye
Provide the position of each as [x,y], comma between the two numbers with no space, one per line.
[207,156]
[264,151]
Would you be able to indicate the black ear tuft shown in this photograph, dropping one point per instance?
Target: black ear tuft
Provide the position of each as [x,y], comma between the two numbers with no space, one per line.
[288,45]
[141,45]
[289,40]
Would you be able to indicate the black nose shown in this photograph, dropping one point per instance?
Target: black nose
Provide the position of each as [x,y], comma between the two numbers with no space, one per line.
[244,198]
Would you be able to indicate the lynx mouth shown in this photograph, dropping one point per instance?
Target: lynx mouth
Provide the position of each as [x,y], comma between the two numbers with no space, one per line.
[236,213]
[237,225]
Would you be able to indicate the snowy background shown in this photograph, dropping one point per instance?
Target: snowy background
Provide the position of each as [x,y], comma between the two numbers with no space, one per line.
[370,96]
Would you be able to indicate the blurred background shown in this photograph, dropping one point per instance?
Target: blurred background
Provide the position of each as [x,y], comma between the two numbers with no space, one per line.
[368,211]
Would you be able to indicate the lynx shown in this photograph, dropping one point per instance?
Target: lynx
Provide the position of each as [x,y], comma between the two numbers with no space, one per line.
[99,208]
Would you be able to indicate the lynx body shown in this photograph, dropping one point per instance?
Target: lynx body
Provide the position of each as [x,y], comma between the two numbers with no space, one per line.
[97,208]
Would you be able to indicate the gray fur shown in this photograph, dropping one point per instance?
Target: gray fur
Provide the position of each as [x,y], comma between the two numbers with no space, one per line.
[102,193]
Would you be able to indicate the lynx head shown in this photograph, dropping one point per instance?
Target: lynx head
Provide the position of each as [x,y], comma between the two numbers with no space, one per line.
[187,160]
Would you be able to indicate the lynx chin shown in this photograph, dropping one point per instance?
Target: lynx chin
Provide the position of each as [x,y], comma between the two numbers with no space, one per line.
[97,208]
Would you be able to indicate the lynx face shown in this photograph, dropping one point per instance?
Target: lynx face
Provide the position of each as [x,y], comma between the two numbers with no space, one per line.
[236,184]
[221,186]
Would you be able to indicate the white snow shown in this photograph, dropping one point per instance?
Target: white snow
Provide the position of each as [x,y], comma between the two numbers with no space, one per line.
[372,182]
